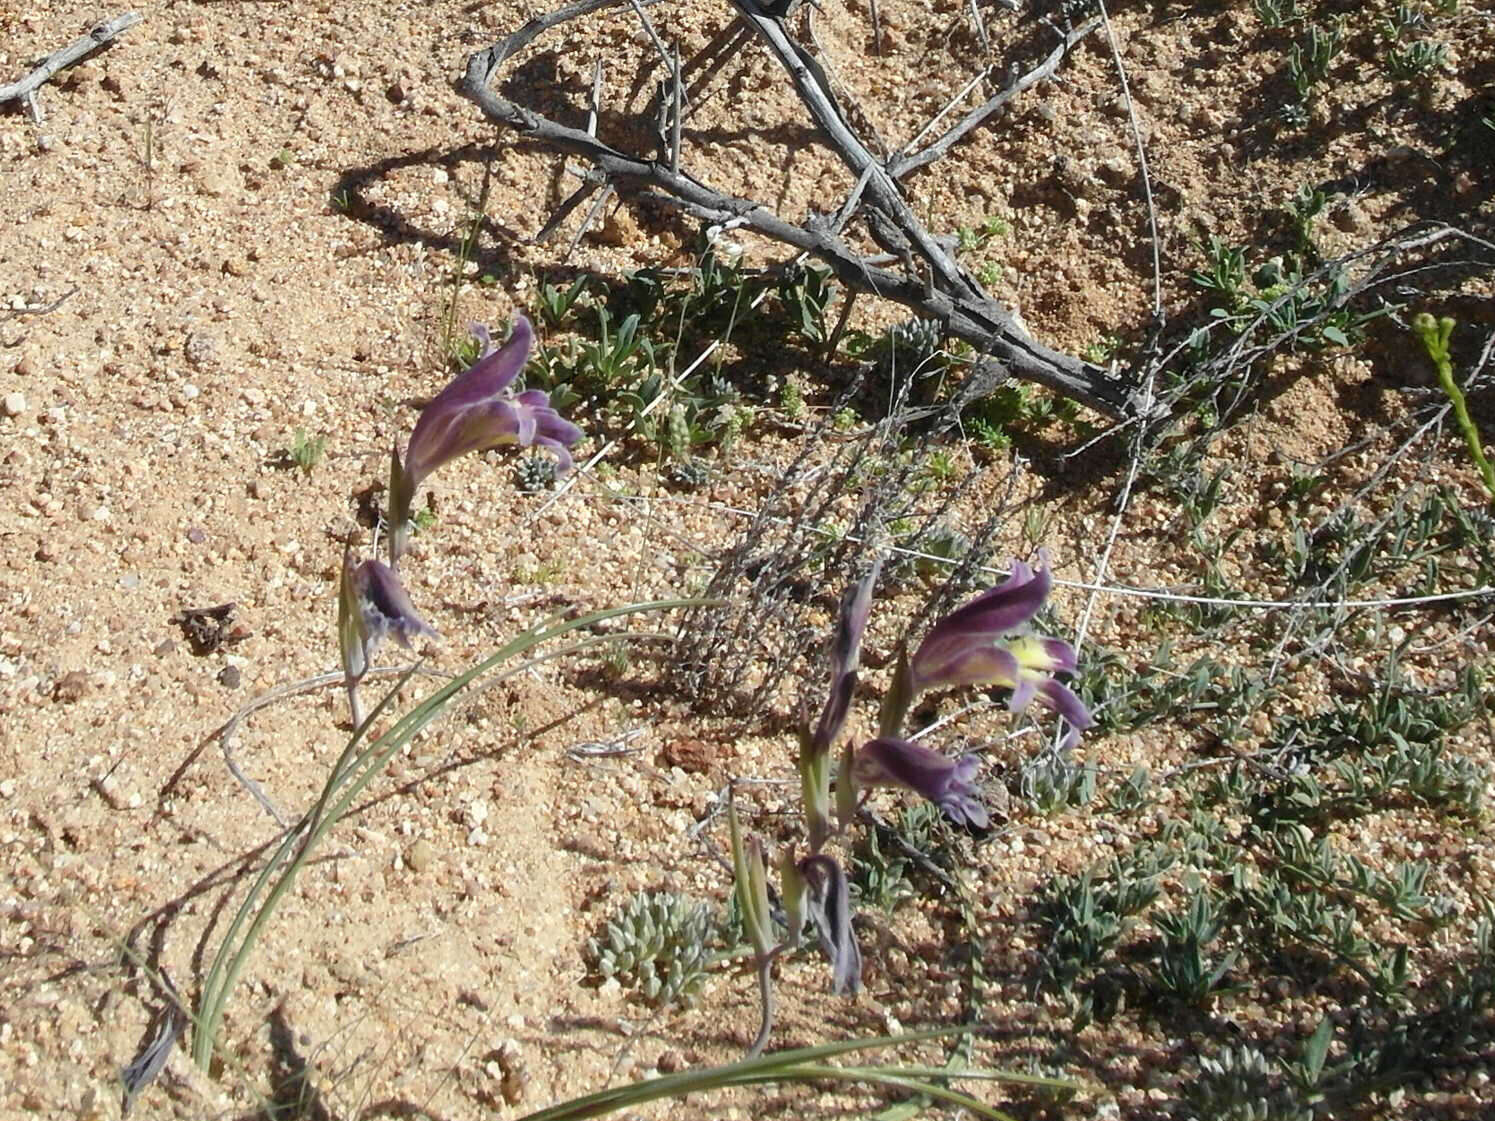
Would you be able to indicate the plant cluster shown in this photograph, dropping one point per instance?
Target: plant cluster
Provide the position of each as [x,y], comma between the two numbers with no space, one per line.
[660,944]
[983,642]
[1250,888]
[622,355]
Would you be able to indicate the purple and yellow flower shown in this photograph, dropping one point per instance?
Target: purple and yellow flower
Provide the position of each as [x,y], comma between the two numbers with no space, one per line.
[948,783]
[959,648]
[976,645]
[478,410]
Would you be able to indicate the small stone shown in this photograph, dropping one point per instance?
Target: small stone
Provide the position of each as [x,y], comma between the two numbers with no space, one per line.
[1351,218]
[15,404]
[258,489]
[70,687]
[196,536]
[515,1075]
[395,93]
[229,677]
[130,581]
[199,348]
[421,856]
[670,1062]
[693,756]
[620,228]
[164,647]
[216,182]
[26,367]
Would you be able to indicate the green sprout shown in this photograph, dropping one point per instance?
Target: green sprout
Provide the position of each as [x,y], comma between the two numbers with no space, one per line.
[307,451]
[1435,335]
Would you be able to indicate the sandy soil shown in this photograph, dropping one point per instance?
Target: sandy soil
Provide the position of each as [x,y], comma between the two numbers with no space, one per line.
[242,221]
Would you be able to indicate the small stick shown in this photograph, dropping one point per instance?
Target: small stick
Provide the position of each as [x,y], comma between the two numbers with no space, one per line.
[902,165]
[45,309]
[596,106]
[594,111]
[1152,213]
[100,35]
[653,35]
[678,111]
[980,28]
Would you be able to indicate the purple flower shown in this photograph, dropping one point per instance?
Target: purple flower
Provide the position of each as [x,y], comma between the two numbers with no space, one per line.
[371,604]
[974,646]
[956,651]
[846,652]
[375,605]
[944,781]
[815,746]
[475,412]
[830,908]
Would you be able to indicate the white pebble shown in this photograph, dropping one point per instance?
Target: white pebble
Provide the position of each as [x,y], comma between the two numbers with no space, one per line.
[15,404]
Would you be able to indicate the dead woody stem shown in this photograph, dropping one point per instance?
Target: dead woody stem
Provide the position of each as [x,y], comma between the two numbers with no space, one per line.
[919,269]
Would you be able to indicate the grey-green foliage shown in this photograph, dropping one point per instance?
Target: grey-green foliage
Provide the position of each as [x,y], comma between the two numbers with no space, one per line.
[892,860]
[908,357]
[1416,60]
[659,944]
[1087,915]
[688,473]
[556,303]
[931,552]
[1053,783]
[806,292]
[1277,13]
[1310,59]
[535,473]
[1188,966]
[1235,1084]
[307,451]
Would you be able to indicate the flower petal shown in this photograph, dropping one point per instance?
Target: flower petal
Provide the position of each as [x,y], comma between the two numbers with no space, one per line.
[906,764]
[1043,655]
[451,425]
[946,782]
[979,623]
[976,664]
[1062,700]
[1023,692]
[830,908]
[385,606]
[846,651]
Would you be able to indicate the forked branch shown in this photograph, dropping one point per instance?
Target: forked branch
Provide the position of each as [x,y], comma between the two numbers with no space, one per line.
[927,279]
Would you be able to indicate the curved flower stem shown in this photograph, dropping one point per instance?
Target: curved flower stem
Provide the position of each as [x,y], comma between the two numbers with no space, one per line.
[765,997]
[355,706]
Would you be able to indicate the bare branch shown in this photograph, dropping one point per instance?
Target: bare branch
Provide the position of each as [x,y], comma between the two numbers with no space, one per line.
[900,165]
[931,283]
[101,35]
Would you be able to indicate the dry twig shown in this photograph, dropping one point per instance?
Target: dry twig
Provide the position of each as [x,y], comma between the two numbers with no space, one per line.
[101,35]
[929,281]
